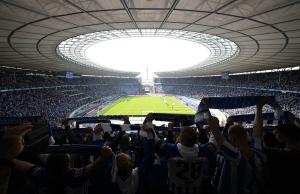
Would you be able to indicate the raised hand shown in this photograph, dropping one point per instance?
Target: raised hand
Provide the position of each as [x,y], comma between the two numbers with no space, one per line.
[20,130]
[12,144]
[263,100]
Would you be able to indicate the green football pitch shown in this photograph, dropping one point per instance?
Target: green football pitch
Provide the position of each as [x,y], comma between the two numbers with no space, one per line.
[142,105]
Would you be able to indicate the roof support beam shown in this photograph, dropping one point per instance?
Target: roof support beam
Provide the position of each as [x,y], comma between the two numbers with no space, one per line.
[169,13]
[130,15]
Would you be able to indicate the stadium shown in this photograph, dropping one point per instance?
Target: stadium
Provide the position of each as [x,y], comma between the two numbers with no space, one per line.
[149,96]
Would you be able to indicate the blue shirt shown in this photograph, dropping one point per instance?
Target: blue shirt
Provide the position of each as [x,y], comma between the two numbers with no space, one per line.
[74,178]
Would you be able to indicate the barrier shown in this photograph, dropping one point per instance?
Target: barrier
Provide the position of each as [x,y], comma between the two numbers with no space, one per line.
[9,121]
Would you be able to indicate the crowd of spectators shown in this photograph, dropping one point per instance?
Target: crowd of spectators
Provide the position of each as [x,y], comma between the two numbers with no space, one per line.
[25,100]
[203,158]
[192,159]
[20,79]
[240,85]
[58,101]
[283,80]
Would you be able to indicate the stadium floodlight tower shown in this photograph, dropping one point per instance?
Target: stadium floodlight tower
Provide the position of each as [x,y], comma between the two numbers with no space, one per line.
[147,51]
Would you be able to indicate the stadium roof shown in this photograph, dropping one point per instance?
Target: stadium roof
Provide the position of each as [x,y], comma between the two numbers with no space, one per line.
[267,32]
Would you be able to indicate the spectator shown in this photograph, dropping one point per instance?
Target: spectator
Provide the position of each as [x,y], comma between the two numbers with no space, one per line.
[187,152]
[283,164]
[242,165]
[11,145]
[58,175]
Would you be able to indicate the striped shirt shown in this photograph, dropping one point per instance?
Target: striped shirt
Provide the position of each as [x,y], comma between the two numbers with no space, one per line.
[237,174]
[187,176]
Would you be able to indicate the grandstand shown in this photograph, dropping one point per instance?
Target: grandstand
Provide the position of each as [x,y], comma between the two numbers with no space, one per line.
[149,96]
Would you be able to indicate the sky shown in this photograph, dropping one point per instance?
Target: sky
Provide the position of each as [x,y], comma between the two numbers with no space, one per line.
[157,54]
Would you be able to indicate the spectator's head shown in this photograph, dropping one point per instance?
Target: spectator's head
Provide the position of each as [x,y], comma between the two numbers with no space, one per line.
[64,121]
[270,140]
[107,136]
[229,121]
[149,118]
[98,129]
[58,165]
[237,136]
[216,120]
[126,119]
[125,143]
[170,126]
[188,136]
[288,134]
[125,165]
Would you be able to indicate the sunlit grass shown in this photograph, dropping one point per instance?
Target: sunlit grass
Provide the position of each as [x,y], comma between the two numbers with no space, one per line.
[142,105]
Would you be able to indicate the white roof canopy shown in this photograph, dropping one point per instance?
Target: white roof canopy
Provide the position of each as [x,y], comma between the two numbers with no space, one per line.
[267,33]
